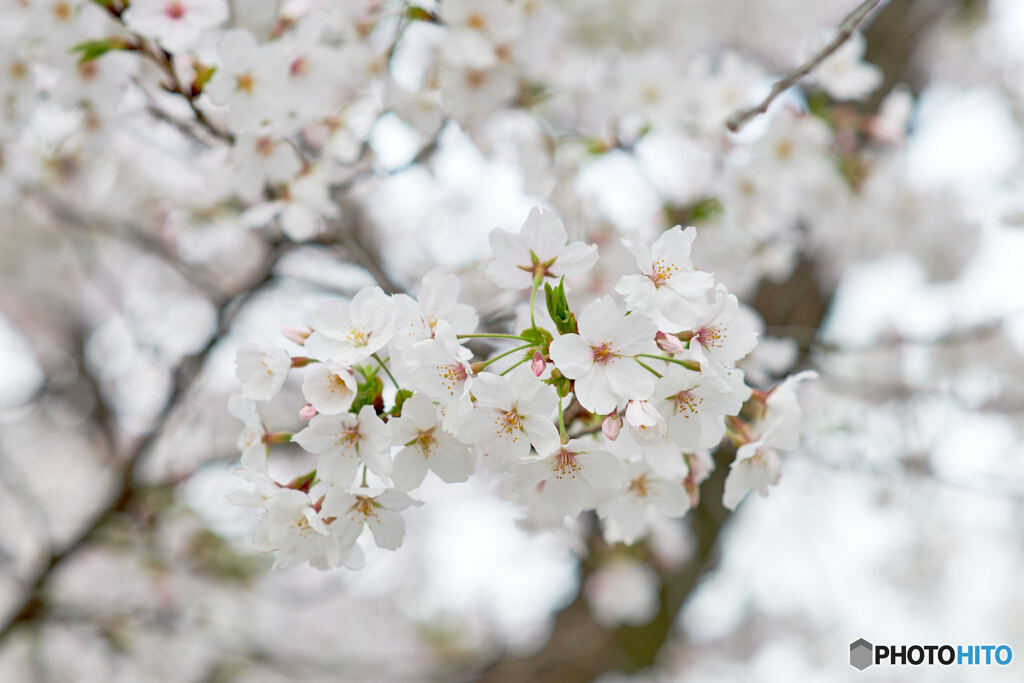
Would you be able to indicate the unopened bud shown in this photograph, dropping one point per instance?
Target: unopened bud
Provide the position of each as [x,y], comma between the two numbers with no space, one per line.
[611,426]
[307,413]
[669,343]
[538,364]
[297,335]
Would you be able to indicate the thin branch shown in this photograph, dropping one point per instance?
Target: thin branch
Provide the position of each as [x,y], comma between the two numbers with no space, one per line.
[845,31]
[31,602]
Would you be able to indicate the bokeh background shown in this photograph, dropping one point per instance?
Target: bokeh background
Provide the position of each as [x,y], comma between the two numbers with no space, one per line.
[888,258]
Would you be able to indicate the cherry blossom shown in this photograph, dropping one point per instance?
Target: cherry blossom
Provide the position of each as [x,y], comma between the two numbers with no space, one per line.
[600,357]
[668,288]
[427,446]
[349,332]
[345,441]
[376,508]
[537,251]
[175,24]
[262,368]
[329,388]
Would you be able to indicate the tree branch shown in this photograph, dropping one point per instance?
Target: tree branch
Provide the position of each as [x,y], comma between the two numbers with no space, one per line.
[31,603]
[845,31]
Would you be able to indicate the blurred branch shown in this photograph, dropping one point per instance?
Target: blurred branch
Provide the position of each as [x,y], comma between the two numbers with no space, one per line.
[845,31]
[31,603]
[137,238]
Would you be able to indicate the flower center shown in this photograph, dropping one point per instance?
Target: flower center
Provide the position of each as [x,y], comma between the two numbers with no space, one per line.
[476,22]
[603,354]
[565,464]
[245,83]
[337,384]
[451,376]
[662,272]
[687,403]
[639,486]
[364,506]
[358,336]
[175,10]
[62,11]
[265,146]
[510,424]
[426,441]
[711,337]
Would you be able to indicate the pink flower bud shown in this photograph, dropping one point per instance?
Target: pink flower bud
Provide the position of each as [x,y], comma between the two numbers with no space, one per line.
[538,363]
[297,335]
[669,343]
[611,426]
[307,412]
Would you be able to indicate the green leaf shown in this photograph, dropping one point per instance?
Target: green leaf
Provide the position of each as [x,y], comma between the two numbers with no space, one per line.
[369,393]
[539,337]
[91,49]
[558,308]
[400,398]
[561,383]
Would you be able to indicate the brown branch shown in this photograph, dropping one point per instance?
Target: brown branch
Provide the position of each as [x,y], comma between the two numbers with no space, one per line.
[845,31]
[31,604]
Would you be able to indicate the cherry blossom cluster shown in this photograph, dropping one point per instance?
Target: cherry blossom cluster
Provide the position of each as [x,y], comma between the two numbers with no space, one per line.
[614,409]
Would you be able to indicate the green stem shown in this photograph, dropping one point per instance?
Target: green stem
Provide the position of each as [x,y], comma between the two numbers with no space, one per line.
[385,368]
[533,298]
[668,359]
[502,355]
[505,372]
[561,423]
[364,476]
[491,336]
[647,367]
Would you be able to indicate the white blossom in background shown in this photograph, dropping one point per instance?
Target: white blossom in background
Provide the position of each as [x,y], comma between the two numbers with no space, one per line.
[844,74]
[623,591]
[175,24]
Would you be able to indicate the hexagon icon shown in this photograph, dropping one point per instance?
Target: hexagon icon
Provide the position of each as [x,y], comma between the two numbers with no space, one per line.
[861,652]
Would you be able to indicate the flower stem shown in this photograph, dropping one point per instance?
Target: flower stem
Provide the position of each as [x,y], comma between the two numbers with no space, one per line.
[508,370]
[647,367]
[561,423]
[688,364]
[533,298]
[502,355]
[364,476]
[385,367]
[491,336]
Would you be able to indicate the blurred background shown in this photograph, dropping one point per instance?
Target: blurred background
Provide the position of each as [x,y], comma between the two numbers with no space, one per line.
[871,219]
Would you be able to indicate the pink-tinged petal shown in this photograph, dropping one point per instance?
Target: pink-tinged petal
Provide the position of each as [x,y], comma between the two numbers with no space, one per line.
[572,355]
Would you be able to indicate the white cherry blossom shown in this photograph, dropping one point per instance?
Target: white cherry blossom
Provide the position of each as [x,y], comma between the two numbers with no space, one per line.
[354,509]
[262,368]
[175,24]
[600,358]
[668,288]
[329,388]
[349,332]
[345,441]
[538,250]
[427,446]
[510,414]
